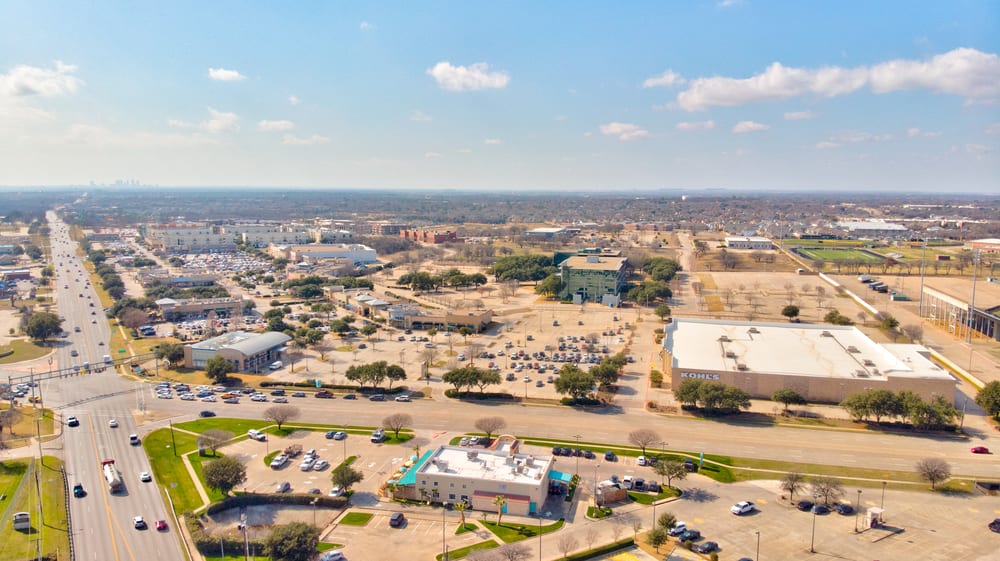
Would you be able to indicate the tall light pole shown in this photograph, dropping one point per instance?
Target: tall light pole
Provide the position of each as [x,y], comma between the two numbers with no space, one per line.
[812,541]
[539,536]
[576,452]
[757,557]
[881,503]
[857,512]
[444,546]
[595,484]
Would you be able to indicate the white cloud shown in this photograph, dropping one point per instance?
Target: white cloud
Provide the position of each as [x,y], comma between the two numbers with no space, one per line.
[493,141]
[99,136]
[420,116]
[219,122]
[914,132]
[293,100]
[852,137]
[749,126]
[977,149]
[367,26]
[467,78]
[268,126]
[668,79]
[431,155]
[293,140]
[799,115]
[224,75]
[624,131]
[23,81]
[695,125]
[993,129]
[964,72]
[728,3]
[465,150]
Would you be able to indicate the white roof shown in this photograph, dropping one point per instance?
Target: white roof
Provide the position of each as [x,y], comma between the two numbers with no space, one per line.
[493,465]
[796,349]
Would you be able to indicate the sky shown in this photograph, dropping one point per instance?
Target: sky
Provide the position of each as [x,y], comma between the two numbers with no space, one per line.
[504,96]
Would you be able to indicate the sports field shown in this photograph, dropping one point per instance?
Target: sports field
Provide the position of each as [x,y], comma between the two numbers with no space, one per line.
[831,254]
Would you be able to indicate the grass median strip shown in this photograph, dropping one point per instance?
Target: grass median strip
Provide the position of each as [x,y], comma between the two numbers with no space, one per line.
[510,532]
[462,552]
[169,469]
[356,518]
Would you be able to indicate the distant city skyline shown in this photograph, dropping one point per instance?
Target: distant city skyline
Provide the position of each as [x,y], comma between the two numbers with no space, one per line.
[733,94]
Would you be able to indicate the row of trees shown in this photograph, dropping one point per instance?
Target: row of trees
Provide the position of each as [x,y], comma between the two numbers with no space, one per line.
[904,405]
[375,373]
[454,278]
[712,397]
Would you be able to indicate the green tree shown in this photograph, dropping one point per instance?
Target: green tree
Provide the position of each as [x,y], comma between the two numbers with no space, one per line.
[857,405]
[217,368]
[657,537]
[43,325]
[662,311]
[574,382]
[790,311]
[500,502]
[345,476]
[551,286]
[394,373]
[464,377]
[605,373]
[224,474]
[788,396]
[989,398]
[882,403]
[309,292]
[292,542]
[667,520]
[173,352]
[670,470]
[688,391]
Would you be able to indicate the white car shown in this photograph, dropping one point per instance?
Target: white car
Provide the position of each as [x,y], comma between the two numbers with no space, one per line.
[333,555]
[187,397]
[258,397]
[209,399]
[320,465]
[404,397]
[307,464]
[113,423]
[742,507]
[279,461]
[641,460]
[145,477]
[336,492]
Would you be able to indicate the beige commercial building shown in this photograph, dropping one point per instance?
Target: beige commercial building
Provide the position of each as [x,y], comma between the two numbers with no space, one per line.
[824,363]
[247,352]
[188,237]
[476,476]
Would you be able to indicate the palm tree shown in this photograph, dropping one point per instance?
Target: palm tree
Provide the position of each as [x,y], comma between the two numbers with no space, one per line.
[460,507]
[500,501]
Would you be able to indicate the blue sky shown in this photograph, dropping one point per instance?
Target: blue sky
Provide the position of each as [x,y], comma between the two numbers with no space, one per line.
[505,96]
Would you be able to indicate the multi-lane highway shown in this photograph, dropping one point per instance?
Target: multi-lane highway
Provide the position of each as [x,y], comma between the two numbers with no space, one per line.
[102,521]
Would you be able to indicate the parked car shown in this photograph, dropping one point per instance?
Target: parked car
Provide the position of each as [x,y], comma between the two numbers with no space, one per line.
[397,520]
[678,529]
[689,465]
[324,394]
[320,465]
[307,463]
[588,454]
[206,413]
[641,460]
[404,397]
[279,461]
[742,507]
[844,508]
[706,547]
[609,456]
[689,536]
[339,435]
[333,555]
[376,397]
[336,491]
[805,505]
[556,451]
[283,487]
[820,509]
[995,525]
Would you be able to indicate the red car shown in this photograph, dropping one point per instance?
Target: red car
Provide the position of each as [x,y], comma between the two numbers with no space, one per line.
[161,525]
[980,450]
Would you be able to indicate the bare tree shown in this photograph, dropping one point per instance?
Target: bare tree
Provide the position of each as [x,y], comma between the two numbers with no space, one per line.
[213,439]
[281,414]
[567,543]
[10,417]
[643,438]
[491,425]
[513,551]
[792,482]
[133,318]
[590,536]
[323,348]
[396,422]
[914,332]
[617,527]
[830,489]
[933,470]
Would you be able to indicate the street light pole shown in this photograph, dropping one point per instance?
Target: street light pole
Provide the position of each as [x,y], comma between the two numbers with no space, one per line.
[757,557]
[881,503]
[857,511]
[444,546]
[812,541]
[539,536]
[577,451]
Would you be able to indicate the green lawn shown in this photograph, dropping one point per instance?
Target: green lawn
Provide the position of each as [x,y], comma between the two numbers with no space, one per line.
[169,470]
[197,462]
[236,426]
[460,553]
[55,540]
[23,350]
[467,527]
[356,518]
[832,254]
[647,499]
[509,532]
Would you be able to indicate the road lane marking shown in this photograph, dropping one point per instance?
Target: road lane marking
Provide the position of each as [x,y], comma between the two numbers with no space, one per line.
[104,494]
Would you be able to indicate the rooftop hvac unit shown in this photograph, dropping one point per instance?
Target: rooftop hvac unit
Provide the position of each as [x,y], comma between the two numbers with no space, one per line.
[869,362]
[861,374]
[875,372]
[724,339]
[742,366]
[472,454]
[853,349]
[826,334]
[730,354]
[753,330]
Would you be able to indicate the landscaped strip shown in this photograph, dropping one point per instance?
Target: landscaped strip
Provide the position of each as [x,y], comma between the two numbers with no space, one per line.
[461,552]
[356,518]
[509,532]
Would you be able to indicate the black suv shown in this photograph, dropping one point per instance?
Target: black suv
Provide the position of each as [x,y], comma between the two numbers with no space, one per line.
[397,519]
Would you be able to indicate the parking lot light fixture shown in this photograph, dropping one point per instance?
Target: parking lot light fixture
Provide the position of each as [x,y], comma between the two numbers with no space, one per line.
[881,503]
[857,512]
[757,556]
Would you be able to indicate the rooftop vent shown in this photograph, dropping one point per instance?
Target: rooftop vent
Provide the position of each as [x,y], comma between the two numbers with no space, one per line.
[472,454]
[853,349]
[869,362]
[724,339]
[861,374]
[730,354]
[742,366]
[593,259]
[875,372]
[826,334]
[753,330]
